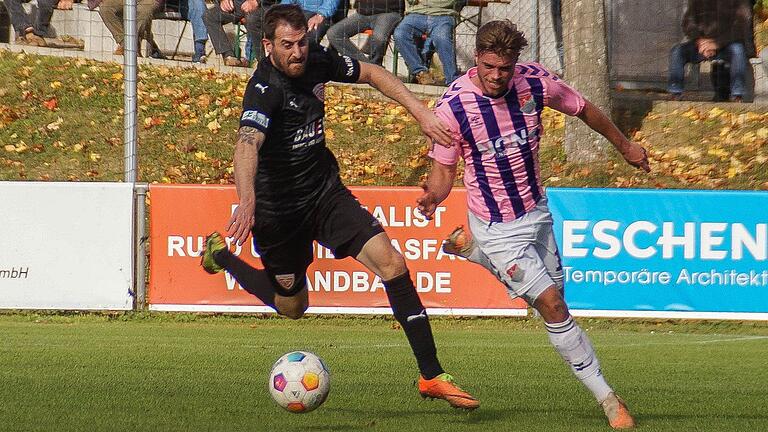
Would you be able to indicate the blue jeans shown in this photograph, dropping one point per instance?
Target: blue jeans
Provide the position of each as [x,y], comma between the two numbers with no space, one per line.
[195,16]
[686,52]
[439,30]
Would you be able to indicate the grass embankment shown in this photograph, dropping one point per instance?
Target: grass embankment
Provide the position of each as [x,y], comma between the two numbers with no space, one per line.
[61,119]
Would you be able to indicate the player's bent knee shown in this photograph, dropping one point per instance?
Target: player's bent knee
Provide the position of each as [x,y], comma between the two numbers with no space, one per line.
[551,305]
[291,297]
[392,265]
[292,307]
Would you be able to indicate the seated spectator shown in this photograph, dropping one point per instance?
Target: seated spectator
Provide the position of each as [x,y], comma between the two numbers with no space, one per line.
[111,12]
[192,11]
[436,19]
[28,33]
[381,16]
[195,11]
[319,14]
[255,26]
[226,12]
[715,30]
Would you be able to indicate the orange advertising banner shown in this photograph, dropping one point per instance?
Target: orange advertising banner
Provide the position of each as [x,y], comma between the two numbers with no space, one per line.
[182,215]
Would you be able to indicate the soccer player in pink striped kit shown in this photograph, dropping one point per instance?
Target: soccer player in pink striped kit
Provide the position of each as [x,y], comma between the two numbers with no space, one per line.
[494,111]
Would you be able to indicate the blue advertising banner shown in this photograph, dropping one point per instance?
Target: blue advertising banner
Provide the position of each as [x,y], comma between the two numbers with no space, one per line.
[661,253]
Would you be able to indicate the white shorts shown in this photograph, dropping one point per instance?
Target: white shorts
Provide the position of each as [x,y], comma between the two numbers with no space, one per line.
[521,253]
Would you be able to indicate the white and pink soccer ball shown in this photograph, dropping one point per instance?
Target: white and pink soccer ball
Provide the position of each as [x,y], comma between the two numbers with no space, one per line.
[299,381]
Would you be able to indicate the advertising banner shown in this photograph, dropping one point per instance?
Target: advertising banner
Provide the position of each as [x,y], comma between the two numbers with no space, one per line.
[181,216]
[655,253]
[66,245]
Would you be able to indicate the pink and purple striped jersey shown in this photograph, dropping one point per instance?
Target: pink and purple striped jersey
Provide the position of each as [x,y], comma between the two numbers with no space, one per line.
[498,138]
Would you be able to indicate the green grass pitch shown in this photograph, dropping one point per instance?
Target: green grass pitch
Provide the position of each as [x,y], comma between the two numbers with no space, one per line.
[168,372]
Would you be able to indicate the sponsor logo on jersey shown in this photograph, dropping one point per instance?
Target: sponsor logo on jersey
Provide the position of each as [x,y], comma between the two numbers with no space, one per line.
[261,87]
[285,280]
[309,134]
[501,145]
[256,117]
[292,103]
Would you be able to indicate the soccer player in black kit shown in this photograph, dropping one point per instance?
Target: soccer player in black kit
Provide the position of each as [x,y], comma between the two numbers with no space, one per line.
[291,194]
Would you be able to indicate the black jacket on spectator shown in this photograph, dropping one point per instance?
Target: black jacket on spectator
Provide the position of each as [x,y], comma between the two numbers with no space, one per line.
[725,21]
[373,7]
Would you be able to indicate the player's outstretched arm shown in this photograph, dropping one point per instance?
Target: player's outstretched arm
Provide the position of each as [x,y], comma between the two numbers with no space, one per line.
[388,84]
[436,188]
[632,152]
[246,161]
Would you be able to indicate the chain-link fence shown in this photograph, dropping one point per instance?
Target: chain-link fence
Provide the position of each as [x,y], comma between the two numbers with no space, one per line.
[639,34]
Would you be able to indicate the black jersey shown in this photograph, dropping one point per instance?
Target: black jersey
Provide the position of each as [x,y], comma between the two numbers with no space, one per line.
[295,166]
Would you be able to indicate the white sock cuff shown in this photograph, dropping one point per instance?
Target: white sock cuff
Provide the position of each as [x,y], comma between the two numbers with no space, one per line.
[561,327]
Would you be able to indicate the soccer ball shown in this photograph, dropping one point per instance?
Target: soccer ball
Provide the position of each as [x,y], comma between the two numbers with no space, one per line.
[299,381]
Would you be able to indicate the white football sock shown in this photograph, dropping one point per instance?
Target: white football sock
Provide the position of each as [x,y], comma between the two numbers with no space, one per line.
[573,345]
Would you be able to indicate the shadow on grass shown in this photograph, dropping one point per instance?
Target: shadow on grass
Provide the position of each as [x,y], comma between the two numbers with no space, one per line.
[373,418]
[666,418]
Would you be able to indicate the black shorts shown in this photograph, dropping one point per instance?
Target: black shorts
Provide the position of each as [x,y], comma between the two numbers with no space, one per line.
[337,222]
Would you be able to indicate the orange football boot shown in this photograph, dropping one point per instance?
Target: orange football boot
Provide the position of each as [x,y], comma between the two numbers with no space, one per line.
[443,387]
[617,412]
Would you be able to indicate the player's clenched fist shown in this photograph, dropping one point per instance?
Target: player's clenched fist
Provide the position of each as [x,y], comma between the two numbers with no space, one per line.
[636,156]
[427,202]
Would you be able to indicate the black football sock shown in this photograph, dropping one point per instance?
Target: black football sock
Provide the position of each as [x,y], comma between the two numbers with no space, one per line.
[254,281]
[410,313]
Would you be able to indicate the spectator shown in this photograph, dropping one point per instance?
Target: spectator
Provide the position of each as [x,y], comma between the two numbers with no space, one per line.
[255,26]
[28,33]
[195,11]
[318,13]
[225,12]
[715,30]
[111,12]
[381,16]
[436,19]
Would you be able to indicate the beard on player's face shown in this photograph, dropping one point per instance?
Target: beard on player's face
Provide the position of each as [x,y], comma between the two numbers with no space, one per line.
[289,50]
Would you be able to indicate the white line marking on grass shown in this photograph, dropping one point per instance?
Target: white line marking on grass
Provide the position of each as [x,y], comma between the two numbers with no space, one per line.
[733,339]
[518,345]
[699,342]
